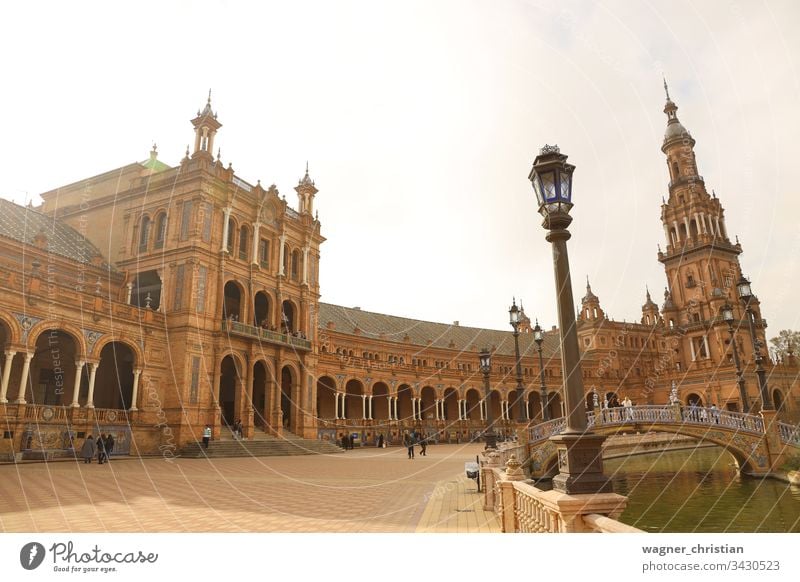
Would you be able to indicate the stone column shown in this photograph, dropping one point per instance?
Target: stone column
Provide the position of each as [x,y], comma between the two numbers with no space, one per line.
[395,408]
[369,409]
[686,224]
[677,230]
[23,382]
[256,242]
[6,375]
[363,407]
[92,374]
[437,402]
[135,391]
[413,408]
[336,406]
[483,409]
[281,271]
[128,292]
[226,217]
[343,416]
[77,384]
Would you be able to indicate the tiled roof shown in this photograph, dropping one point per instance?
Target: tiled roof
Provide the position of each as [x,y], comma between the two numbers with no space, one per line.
[24,224]
[395,329]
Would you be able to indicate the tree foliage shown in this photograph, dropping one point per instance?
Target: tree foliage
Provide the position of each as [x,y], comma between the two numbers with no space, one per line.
[786,338]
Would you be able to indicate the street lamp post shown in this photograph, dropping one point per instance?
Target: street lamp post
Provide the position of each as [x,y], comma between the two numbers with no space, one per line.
[513,316]
[746,295]
[486,367]
[580,461]
[727,317]
[538,337]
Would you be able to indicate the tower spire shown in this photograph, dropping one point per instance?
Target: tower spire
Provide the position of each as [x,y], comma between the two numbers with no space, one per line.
[666,88]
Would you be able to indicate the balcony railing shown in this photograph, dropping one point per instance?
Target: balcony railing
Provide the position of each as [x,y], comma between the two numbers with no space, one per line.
[260,333]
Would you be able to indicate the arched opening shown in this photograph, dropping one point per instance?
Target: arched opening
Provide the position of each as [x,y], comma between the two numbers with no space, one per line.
[285,259]
[682,231]
[450,404]
[777,400]
[428,403]
[144,233]
[326,398]
[556,410]
[288,320]
[161,230]
[353,402]
[673,236]
[535,406]
[380,401]
[231,235]
[675,171]
[287,397]
[52,371]
[113,386]
[146,290]
[693,399]
[229,381]
[260,400]
[590,400]
[693,228]
[244,242]
[473,404]
[232,302]
[404,407]
[494,405]
[261,310]
[295,264]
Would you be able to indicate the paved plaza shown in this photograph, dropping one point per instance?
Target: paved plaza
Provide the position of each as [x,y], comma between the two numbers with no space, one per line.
[369,490]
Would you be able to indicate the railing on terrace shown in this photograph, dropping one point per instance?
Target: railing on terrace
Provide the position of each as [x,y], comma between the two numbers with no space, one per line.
[265,334]
[790,434]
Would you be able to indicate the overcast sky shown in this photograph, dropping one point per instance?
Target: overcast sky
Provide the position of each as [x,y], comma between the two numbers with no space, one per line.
[420,121]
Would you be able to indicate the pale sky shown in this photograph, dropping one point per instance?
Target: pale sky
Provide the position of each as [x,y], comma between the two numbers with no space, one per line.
[420,121]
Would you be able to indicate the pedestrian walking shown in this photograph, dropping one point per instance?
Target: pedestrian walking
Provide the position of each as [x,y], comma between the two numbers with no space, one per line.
[408,441]
[423,447]
[206,435]
[88,449]
[380,441]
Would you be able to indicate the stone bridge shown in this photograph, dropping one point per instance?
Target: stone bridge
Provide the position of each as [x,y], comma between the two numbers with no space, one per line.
[760,443]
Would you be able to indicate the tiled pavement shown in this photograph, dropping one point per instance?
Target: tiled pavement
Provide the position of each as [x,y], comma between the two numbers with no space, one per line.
[370,490]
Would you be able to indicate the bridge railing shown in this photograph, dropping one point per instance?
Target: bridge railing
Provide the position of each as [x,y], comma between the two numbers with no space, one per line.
[545,430]
[790,434]
[629,414]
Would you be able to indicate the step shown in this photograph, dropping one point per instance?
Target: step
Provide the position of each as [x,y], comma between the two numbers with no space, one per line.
[263,446]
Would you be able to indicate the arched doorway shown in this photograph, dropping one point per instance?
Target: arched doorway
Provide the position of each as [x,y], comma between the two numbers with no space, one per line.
[428,403]
[326,398]
[232,301]
[287,396]
[146,290]
[52,371]
[404,407]
[694,399]
[113,386]
[288,319]
[261,310]
[353,401]
[229,381]
[473,404]
[451,404]
[260,396]
[380,401]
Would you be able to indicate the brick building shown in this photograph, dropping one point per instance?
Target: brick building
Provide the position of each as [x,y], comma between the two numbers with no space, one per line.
[152,300]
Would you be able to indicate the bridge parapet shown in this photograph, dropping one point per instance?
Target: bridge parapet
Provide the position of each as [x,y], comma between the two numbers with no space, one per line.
[790,434]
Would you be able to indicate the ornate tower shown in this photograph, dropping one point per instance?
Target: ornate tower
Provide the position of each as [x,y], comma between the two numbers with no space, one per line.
[701,262]
[590,306]
[305,193]
[205,127]
[650,315]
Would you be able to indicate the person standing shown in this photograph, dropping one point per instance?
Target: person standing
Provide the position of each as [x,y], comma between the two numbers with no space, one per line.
[423,446]
[88,449]
[408,441]
[380,441]
[101,449]
[109,445]
[206,435]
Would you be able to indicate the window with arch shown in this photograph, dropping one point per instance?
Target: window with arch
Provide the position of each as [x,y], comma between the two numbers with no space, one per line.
[263,253]
[676,172]
[231,235]
[161,230]
[295,264]
[144,233]
[244,239]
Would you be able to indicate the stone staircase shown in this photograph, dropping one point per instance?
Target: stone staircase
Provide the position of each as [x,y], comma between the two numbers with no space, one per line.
[262,445]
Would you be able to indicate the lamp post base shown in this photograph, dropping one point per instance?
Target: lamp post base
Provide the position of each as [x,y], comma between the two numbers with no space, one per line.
[580,464]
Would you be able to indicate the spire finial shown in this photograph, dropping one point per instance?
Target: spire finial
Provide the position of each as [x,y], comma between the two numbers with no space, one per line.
[209,96]
[306,167]
[588,286]
[666,88]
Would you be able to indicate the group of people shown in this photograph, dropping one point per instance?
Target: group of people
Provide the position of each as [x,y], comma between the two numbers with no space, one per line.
[347,442]
[102,447]
[410,440]
[613,403]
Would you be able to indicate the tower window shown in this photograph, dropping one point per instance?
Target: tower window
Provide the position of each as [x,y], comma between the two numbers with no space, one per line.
[161,230]
[231,234]
[144,233]
[243,243]
[263,253]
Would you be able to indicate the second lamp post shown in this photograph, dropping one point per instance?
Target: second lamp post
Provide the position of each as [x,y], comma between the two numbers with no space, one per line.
[513,316]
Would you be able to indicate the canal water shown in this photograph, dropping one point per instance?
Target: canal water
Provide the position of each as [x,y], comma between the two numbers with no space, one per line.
[700,490]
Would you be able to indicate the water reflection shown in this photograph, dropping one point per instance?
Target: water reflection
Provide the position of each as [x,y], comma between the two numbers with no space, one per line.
[701,491]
